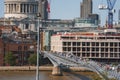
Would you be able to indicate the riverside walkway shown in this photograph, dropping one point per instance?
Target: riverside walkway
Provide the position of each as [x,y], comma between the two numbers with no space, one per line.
[70,60]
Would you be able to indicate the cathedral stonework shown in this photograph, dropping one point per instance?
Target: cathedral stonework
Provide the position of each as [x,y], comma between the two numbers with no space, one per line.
[21,8]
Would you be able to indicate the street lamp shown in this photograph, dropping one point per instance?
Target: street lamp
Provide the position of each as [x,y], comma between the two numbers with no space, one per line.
[38,46]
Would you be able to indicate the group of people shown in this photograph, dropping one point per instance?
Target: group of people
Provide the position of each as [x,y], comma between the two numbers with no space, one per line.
[111,70]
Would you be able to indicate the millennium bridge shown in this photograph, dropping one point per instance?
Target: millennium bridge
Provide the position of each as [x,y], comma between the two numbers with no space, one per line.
[66,60]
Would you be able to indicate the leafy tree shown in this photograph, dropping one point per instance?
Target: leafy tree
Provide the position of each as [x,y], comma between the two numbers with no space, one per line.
[32,59]
[10,59]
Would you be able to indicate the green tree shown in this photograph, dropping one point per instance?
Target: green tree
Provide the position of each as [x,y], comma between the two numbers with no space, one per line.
[32,59]
[10,59]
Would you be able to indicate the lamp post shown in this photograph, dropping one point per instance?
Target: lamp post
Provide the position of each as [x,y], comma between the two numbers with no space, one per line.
[38,46]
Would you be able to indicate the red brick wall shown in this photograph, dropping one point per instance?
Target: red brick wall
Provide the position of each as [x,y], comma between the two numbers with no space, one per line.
[1,53]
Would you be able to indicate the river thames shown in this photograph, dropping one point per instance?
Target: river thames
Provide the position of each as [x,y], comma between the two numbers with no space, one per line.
[44,75]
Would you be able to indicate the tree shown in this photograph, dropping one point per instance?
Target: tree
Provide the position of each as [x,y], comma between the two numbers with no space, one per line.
[10,59]
[32,59]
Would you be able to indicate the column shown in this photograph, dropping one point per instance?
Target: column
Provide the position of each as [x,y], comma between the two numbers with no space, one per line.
[19,8]
[33,8]
[26,8]
[29,8]
[5,8]
[22,8]
[13,7]
[8,8]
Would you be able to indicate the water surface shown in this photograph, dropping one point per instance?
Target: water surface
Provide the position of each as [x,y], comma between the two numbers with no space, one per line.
[44,75]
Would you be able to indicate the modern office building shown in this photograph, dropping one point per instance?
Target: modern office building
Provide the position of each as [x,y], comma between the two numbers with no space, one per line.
[86,8]
[99,45]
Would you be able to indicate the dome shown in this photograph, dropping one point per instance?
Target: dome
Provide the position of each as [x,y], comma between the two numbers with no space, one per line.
[20,0]
[20,8]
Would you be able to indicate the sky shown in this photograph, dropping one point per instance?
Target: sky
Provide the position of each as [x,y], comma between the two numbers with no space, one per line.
[70,9]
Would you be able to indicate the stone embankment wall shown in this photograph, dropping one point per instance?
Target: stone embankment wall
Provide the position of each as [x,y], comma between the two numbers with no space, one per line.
[33,68]
[24,68]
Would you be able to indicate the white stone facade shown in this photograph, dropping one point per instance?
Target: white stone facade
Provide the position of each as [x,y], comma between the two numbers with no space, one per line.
[20,8]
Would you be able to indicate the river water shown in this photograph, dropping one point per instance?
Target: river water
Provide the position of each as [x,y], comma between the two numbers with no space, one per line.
[44,75]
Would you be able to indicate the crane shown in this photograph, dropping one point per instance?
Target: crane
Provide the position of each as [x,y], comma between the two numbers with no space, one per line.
[109,7]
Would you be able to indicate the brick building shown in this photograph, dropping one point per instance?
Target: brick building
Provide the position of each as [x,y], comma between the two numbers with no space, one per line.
[21,50]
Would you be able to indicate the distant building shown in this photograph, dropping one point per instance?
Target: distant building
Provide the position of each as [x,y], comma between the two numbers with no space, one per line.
[82,23]
[46,39]
[94,18]
[86,8]
[119,17]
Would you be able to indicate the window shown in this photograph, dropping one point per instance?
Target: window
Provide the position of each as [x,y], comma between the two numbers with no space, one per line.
[83,43]
[106,54]
[106,44]
[111,49]
[83,49]
[74,48]
[97,54]
[93,49]
[78,43]
[69,43]
[64,49]
[64,44]
[69,48]
[102,54]
[111,54]
[106,49]
[25,47]
[102,49]
[88,49]
[26,26]
[102,44]
[93,43]
[97,43]
[115,49]
[88,43]
[97,49]
[19,48]
[74,44]
[111,44]
[78,48]
[115,44]
[93,54]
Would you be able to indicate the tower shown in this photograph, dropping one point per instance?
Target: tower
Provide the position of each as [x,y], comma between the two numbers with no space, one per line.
[86,8]
[44,9]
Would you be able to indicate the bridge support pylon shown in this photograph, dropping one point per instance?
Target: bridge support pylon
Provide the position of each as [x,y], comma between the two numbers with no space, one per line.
[57,71]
